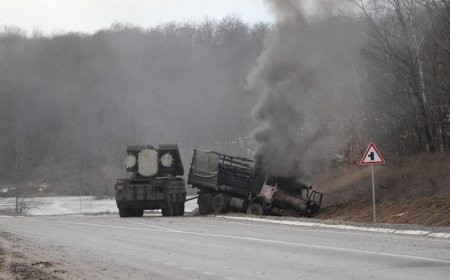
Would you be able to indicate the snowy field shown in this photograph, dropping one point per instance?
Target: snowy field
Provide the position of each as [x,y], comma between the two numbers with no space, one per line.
[68,205]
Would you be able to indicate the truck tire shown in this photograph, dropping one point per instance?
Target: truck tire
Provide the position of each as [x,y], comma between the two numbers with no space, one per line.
[204,203]
[180,209]
[139,212]
[220,203]
[176,209]
[124,212]
[168,211]
[255,209]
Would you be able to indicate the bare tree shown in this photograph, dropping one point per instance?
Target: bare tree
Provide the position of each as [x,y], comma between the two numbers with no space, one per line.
[83,98]
[399,42]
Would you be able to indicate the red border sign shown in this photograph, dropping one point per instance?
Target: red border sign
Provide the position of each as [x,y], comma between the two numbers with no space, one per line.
[372,146]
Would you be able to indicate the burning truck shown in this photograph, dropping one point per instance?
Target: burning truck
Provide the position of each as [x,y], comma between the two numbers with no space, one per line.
[234,183]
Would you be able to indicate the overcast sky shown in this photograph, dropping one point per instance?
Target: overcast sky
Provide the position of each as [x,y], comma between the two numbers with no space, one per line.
[91,15]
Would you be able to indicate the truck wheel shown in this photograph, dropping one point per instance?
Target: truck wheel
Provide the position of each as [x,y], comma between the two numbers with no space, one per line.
[138,212]
[220,203]
[255,209]
[124,212]
[311,210]
[180,209]
[176,209]
[168,211]
[204,203]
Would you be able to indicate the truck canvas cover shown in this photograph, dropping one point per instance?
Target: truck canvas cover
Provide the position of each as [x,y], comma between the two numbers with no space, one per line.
[205,169]
[220,172]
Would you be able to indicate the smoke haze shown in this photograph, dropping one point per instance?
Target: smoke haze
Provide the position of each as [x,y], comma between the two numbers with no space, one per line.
[308,79]
[70,104]
[322,83]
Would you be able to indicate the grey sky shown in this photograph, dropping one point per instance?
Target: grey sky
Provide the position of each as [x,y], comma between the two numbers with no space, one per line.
[90,15]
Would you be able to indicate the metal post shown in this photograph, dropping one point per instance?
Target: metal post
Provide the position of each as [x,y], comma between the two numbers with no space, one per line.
[90,195]
[373,196]
[80,202]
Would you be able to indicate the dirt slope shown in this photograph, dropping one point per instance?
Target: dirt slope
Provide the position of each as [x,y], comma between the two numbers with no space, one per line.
[414,190]
[429,211]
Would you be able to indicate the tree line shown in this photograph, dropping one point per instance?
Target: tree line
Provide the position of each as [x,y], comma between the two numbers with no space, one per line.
[70,103]
[407,52]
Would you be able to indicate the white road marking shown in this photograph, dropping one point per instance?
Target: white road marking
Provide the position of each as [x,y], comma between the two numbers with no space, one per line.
[344,227]
[305,245]
[261,240]
[356,230]
[108,226]
[440,234]
[379,234]
[156,227]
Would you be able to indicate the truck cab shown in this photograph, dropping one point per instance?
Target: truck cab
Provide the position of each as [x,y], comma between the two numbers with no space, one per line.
[286,193]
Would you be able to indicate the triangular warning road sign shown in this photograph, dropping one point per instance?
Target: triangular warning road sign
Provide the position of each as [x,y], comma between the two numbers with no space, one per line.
[372,156]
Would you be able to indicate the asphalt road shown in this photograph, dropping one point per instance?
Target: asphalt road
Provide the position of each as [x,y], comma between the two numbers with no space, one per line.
[106,247]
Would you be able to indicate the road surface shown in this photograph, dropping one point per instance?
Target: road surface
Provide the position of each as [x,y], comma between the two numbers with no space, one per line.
[108,247]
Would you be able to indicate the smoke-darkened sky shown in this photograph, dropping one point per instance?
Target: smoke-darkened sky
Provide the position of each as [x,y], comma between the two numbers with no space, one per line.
[88,16]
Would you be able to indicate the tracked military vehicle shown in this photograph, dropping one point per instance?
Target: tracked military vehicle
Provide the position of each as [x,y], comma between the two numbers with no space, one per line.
[156,182]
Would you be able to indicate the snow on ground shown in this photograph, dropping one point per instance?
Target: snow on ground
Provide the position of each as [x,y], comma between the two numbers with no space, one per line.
[68,205]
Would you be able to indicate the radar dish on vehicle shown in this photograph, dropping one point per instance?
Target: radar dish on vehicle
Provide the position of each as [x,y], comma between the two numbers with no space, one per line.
[148,163]
[130,161]
[167,160]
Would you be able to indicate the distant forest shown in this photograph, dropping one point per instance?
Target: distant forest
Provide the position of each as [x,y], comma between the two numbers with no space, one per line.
[70,103]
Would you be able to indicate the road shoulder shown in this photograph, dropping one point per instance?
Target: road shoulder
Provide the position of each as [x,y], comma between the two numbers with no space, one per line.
[409,230]
[16,263]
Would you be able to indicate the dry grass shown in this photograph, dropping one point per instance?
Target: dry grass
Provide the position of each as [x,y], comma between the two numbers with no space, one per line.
[409,190]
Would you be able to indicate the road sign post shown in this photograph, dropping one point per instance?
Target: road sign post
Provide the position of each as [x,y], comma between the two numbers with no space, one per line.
[372,157]
[373,196]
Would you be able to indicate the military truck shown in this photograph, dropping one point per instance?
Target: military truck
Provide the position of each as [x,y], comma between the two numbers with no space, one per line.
[156,181]
[278,194]
[227,182]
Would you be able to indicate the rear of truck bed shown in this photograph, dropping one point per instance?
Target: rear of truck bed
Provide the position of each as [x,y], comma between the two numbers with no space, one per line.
[223,181]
